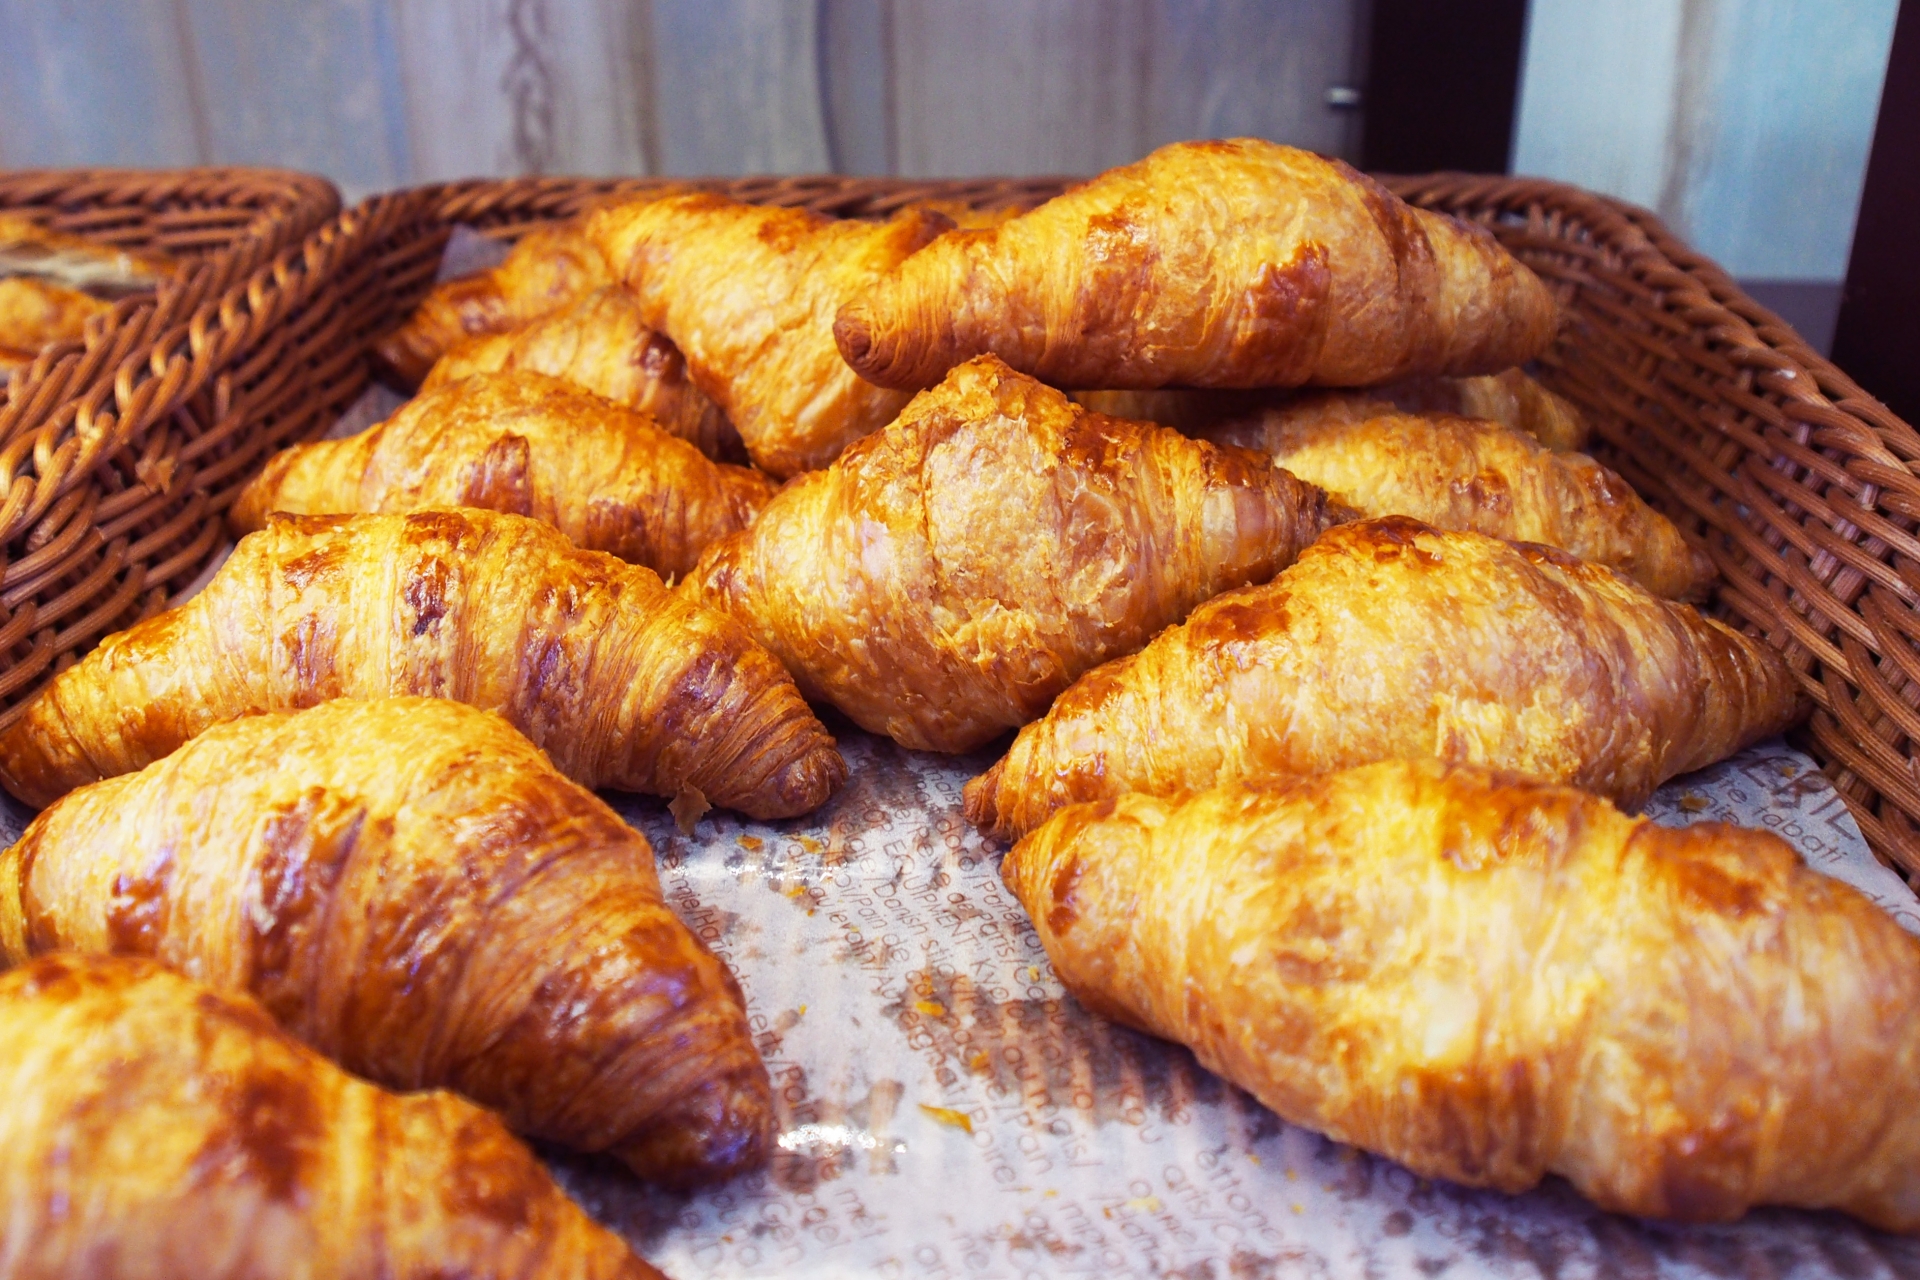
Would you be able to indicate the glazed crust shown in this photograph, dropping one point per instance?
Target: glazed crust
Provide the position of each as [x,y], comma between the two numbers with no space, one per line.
[604,475]
[1466,473]
[1490,979]
[548,268]
[1509,397]
[749,294]
[1236,263]
[1390,639]
[408,886]
[158,1130]
[949,575]
[620,682]
[598,343]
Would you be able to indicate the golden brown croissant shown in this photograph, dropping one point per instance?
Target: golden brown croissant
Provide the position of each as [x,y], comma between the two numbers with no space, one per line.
[949,575]
[76,262]
[1239,263]
[748,294]
[1509,397]
[1389,638]
[548,268]
[35,313]
[600,344]
[521,442]
[158,1130]
[1491,979]
[1466,473]
[411,888]
[620,682]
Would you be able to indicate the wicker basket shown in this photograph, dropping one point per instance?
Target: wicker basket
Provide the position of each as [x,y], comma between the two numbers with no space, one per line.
[96,517]
[1795,481]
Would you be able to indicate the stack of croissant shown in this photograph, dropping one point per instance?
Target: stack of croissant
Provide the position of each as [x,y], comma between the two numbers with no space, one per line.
[1217,480]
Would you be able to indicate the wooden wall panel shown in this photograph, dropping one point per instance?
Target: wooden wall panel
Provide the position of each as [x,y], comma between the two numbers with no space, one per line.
[1744,123]
[301,86]
[1252,68]
[1018,86]
[96,82]
[382,93]
[522,86]
[856,60]
[737,86]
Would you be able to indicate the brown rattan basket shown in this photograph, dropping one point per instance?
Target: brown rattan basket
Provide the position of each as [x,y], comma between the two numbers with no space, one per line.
[97,514]
[1794,480]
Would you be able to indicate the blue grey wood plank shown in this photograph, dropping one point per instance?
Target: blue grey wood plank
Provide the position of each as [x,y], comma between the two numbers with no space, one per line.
[1744,123]
[95,82]
[303,86]
[505,87]
[1018,86]
[737,86]
[1775,147]
[1038,86]
[856,59]
[1252,68]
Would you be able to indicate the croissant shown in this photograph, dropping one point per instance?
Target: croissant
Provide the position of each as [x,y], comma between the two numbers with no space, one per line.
[949,575]
[158,1130]
[548,268]
[1389,638]
[1210,264]
[35,313]
[410,887]
[748,294]
[599,343]
[1510,398]
[1464,473]
[521,442]
[1490,979]
[622,684]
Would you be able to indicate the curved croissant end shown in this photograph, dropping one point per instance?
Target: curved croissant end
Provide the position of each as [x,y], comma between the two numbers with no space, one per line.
[548,268]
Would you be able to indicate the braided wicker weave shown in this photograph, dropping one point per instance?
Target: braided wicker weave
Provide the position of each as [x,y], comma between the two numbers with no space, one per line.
[1795,481]
[94,514]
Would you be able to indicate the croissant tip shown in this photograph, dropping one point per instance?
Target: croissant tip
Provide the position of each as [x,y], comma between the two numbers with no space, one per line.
[395,360]
[853,334]
[727,1128]
[801,786]
[977,799]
